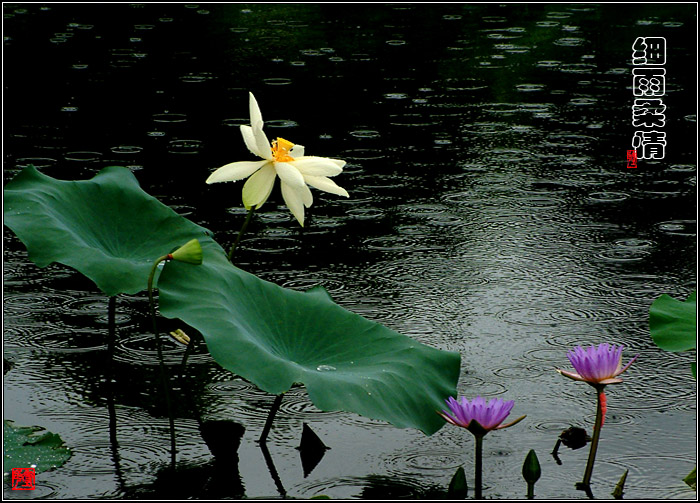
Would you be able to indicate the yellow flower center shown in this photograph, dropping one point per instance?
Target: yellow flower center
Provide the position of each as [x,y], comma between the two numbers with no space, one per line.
[280,150]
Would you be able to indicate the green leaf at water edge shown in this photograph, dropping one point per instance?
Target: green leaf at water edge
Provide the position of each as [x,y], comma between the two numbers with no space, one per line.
[106,228]
[27,446]
[673,324]
[692,479]
[458,488]
[274,337]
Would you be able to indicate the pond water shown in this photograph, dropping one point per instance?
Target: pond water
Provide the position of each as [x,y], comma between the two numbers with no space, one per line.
[491,213]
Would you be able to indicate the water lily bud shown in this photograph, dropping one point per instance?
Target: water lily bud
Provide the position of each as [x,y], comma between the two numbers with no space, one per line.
[190,253]
[531,468]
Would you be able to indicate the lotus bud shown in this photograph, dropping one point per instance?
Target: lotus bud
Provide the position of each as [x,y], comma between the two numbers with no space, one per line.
[190,253]
[531,472]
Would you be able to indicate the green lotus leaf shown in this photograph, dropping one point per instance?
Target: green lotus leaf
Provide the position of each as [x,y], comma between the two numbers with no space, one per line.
[106,228]
[673,323]
[274,337]
[24,446]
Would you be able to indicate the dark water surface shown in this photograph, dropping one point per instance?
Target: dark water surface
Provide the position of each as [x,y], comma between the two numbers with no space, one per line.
[491,213]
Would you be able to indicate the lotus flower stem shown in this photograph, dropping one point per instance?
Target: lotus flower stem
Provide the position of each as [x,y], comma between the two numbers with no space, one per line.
[478,464]
[270,417]
[599,418]
[248,218]
[163,371]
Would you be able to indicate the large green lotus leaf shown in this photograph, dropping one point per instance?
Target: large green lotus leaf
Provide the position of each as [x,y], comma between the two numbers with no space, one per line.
[107,228]
[673,324]
[24,446]
[275,337]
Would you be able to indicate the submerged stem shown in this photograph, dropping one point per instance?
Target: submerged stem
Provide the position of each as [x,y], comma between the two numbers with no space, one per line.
[248,218]
[273,470]
[111,410]
[477,465]
[163,371]
[188,351]
[596,436]
[184,383]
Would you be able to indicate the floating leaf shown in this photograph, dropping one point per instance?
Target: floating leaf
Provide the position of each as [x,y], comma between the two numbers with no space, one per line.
[673,324]
[27,446]
[574,437]
[275,337]
[107,228]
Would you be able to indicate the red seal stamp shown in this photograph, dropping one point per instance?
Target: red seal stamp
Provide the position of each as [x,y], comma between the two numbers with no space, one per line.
[23,479]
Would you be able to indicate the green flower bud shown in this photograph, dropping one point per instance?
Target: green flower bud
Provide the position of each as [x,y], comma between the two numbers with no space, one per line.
[531,468]
[190,253]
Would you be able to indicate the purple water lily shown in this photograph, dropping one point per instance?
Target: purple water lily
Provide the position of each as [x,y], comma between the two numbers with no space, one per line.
[479,417]
[597,365]
[488,415]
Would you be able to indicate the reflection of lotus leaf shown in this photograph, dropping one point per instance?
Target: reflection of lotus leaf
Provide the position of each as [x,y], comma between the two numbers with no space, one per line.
[275,337]
[25,446]
[106,228]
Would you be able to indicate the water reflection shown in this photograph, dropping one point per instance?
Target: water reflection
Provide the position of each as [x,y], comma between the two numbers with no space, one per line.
[491,214]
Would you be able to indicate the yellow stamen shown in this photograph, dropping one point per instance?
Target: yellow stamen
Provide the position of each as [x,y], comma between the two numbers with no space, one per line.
[280,150]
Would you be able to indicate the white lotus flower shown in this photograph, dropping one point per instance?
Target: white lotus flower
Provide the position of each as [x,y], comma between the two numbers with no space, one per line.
[280,158]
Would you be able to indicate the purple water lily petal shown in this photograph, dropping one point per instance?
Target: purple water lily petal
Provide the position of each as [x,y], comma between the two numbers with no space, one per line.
[488,414]
[598,365]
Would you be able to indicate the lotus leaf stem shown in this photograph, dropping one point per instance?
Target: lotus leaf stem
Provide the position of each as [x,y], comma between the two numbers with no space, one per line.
[111,326]
[163,371]
[270,417]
